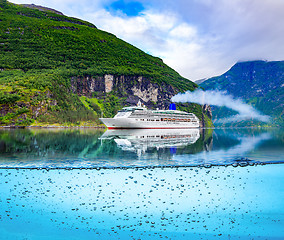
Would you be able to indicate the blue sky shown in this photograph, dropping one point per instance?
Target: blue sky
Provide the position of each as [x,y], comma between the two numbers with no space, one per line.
[198,38]
[129,8]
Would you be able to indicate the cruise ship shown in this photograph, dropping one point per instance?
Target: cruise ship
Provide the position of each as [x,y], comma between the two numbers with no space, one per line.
[141,117]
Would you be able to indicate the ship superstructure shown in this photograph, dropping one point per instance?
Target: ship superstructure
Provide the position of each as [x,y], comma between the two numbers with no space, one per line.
[141,117]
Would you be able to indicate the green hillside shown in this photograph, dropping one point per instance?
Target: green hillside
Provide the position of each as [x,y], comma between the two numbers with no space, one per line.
[41,52]
[258,83]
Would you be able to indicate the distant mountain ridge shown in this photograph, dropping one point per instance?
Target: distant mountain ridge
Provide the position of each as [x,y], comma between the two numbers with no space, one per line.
[259,83]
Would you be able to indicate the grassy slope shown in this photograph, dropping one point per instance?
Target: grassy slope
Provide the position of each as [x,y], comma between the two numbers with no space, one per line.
[39,53]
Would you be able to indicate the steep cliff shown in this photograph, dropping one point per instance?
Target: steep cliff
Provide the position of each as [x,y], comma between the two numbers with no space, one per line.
[132,88]
[58,69]
[107,94]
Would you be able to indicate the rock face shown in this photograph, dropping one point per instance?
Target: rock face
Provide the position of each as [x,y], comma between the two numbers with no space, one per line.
[133,88]
[41,8]
[108,83]
[206,109]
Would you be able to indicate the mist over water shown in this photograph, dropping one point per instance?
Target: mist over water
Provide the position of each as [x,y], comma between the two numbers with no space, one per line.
[222,99]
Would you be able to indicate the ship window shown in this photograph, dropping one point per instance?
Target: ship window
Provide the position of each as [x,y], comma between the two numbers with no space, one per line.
[126,110]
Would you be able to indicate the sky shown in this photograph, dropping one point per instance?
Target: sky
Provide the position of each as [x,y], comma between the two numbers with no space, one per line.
[197,38]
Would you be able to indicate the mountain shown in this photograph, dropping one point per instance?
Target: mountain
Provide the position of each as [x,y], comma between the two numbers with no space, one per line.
[56,69]
[198,82]
[258,83]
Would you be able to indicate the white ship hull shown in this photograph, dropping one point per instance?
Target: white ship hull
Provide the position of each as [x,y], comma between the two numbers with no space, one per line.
[130,123]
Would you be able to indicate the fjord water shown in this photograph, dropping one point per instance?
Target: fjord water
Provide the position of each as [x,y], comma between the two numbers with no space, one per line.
[145,184]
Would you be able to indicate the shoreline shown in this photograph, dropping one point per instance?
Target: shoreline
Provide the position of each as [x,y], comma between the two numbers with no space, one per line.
[49,126]
[104,127]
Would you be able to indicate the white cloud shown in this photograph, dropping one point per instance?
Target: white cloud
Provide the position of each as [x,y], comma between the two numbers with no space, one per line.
[218,98]
[183,31]
[162,35]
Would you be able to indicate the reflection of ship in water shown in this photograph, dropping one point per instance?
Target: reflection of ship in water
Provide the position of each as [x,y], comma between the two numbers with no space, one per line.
[141,140]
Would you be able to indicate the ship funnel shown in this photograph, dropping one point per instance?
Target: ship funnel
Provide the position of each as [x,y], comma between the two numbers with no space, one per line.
[173,106]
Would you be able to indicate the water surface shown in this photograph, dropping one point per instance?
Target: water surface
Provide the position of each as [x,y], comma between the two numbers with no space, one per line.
[91,148]
[89,184]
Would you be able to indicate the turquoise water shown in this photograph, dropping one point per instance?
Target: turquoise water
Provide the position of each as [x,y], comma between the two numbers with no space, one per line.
[87,184]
